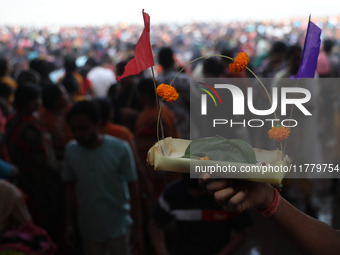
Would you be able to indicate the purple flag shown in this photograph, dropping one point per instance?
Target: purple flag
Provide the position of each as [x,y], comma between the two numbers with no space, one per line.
[310,52]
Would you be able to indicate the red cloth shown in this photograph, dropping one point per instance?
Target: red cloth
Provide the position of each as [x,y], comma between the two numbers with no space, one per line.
[146,136]
[29,239]
[57,127]
[118,131]
[143,53]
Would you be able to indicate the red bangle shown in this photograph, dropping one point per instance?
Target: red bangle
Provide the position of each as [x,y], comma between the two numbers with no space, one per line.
[272,208]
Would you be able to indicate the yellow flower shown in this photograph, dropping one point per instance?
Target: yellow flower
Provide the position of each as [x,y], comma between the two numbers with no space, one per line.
[240,63]
[167,92]
[204,158]
[279,133]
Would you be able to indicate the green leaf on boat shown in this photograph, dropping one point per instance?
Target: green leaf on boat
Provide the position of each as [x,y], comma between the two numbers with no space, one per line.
[221,149]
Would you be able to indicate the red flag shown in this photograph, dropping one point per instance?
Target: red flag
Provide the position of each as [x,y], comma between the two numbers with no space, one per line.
[143,53]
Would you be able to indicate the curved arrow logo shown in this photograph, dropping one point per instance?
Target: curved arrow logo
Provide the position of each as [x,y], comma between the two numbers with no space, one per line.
[210,94]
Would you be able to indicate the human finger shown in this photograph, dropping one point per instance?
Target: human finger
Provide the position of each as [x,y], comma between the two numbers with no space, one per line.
[204,179]
[222,196]
[217,184]
[236,202]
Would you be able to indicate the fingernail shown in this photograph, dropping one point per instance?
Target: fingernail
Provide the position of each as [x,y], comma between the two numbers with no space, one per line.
[205,177]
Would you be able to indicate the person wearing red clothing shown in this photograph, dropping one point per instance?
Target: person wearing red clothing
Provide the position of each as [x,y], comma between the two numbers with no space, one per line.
[18,233]
[30,149]
[146,130]
[52,114]
[107,126]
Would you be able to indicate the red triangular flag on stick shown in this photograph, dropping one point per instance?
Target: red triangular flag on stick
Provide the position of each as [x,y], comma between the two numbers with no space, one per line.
[143,53]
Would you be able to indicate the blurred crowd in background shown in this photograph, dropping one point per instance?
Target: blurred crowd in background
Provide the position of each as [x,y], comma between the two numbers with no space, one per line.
[22,44]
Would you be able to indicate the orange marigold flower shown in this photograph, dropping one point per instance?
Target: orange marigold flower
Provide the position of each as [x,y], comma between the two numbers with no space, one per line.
[167,92]
[240,63]
[279,133]
[204,158]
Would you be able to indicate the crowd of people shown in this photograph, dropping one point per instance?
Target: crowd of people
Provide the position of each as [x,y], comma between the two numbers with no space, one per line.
[188,40]
[74,140]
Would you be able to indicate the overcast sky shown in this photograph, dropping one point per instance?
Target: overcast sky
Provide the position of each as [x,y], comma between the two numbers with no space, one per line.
[98,12]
